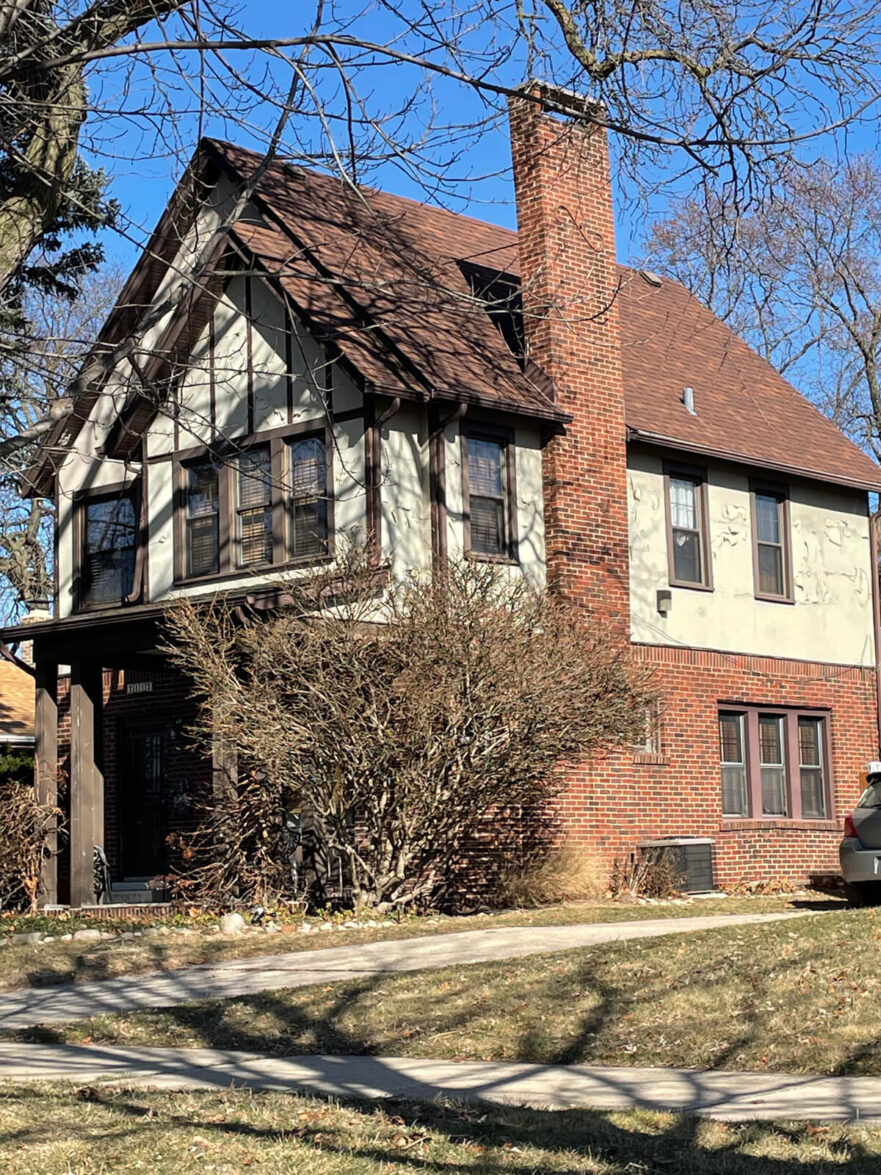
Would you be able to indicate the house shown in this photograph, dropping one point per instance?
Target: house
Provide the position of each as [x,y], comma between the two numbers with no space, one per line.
[349,363]
[16,709]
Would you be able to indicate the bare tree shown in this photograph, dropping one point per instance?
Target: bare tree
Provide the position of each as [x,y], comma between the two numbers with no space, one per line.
[800,278]
[394,724]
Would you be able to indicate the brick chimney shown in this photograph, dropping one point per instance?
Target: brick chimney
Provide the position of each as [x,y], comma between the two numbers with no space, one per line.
[569,283]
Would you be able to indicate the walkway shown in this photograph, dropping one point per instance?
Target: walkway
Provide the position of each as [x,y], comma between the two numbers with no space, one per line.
[62,1003]
[732,1096]
[59,1004]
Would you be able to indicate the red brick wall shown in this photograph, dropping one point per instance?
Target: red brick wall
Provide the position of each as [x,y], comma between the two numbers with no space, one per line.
[569,282]
[612,805]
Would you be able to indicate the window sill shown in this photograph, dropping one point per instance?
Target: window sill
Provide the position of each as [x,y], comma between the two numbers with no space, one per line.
[691,587]
[783,823]
[505,560]
[650,759]
[261,572]
[774,599]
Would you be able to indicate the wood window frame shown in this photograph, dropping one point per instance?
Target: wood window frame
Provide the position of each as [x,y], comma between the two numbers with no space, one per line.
[505,437]
[288,501]
[81,501]
[224,454]
[697,474]
[781,493]
[792,761]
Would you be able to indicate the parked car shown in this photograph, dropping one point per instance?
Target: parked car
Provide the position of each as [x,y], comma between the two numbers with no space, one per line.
[860,849]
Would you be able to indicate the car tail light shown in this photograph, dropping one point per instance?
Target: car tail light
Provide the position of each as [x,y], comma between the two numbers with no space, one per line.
[849,827]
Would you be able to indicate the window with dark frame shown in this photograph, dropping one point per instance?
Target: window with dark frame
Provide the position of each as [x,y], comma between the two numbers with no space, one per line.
[308,497]
[254,507]
[688,537]
[202,519]
[110,540]
[770,540]
[773,764]
[487,496]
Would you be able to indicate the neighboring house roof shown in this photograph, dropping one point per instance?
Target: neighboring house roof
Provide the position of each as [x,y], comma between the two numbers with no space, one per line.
[385,281]
[16,704]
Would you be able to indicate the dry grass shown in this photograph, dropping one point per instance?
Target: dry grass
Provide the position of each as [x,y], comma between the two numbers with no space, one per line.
[73,962]
[49,1130]
[564,875]
[798,996]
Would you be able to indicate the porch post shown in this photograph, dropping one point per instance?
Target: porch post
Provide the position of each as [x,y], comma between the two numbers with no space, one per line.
[46,768]
[86,779]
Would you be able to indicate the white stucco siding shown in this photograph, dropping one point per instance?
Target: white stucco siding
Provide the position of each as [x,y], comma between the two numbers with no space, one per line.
[831,619]
[349,482]
[231,362]
[269,364]
[404,491]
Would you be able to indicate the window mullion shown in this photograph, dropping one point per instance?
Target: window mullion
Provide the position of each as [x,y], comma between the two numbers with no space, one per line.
[754,766]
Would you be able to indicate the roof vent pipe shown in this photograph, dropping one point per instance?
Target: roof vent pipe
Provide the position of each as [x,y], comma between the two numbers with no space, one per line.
[688,400]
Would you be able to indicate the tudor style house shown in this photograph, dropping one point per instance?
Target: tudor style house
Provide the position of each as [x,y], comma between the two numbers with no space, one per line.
[295,362]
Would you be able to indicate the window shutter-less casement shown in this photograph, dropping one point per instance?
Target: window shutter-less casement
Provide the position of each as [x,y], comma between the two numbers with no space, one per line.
[203,520]
[774,765]
[487,496]
[110,542]
[308,503]
[254,507]
[771,543]
[687,532]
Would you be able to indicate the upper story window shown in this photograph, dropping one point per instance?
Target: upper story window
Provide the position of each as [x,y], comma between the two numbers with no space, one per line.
[308,497]
[110,540]
[267,505]
[254,507]
[774,763]
[202,539]
[488,485]
[687,530]
[771,555]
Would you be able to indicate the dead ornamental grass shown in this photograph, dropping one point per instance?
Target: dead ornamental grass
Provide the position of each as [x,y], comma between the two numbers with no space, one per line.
[49,1129]
[792,997]
[77,962]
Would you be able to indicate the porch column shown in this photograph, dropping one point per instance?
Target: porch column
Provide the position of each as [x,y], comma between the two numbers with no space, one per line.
[46,768]
[86,779]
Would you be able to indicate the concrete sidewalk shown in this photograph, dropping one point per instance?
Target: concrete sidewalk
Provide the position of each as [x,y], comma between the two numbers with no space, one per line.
[59,1004]
[730,1096]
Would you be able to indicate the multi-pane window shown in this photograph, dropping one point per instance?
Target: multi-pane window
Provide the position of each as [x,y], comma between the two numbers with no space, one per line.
[110,541]
[773,764]
[688,545]
[254,506]
[735,801]
[770,538]
[202,511]
[487,496]
[308,497]
[810,768]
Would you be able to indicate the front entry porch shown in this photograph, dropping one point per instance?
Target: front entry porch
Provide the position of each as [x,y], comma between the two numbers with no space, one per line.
[112,751]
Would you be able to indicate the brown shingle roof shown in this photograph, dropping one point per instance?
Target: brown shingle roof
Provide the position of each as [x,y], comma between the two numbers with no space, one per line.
[384,279]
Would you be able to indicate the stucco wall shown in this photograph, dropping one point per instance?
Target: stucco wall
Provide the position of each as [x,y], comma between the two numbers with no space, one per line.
[831,619]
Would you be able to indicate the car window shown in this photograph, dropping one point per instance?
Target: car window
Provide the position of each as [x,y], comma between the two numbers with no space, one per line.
[871,797]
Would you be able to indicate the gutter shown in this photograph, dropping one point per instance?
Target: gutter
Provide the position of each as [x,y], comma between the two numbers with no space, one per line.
[650,438]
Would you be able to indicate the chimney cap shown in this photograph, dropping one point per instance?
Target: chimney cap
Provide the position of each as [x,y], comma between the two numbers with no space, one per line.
[557,100]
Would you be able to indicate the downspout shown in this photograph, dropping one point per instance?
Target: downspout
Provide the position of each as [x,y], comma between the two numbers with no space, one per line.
[876,616]
[140,555]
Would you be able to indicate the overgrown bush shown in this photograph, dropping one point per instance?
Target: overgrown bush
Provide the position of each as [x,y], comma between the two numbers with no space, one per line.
[23,827]
[651,873]
[391,721]
[565,874]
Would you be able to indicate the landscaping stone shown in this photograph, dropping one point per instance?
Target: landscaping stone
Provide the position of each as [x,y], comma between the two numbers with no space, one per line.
[156,932]
[66,937]
[29,938]
[87,936]
[49,938]
[232,924]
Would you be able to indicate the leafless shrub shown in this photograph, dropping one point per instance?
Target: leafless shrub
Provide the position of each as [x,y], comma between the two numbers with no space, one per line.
[23,832]
[393,721]
[651,873]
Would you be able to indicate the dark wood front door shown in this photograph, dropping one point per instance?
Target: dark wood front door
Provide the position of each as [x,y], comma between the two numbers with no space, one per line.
[142,808]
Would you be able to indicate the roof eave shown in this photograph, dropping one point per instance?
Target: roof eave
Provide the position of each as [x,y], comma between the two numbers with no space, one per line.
[739,458]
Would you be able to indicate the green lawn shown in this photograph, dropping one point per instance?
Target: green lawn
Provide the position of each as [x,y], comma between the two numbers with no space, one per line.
[60,1130]
[70,962]
[799,996]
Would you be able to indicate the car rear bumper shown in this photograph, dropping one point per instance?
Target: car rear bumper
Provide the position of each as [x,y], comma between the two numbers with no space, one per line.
[859,863]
